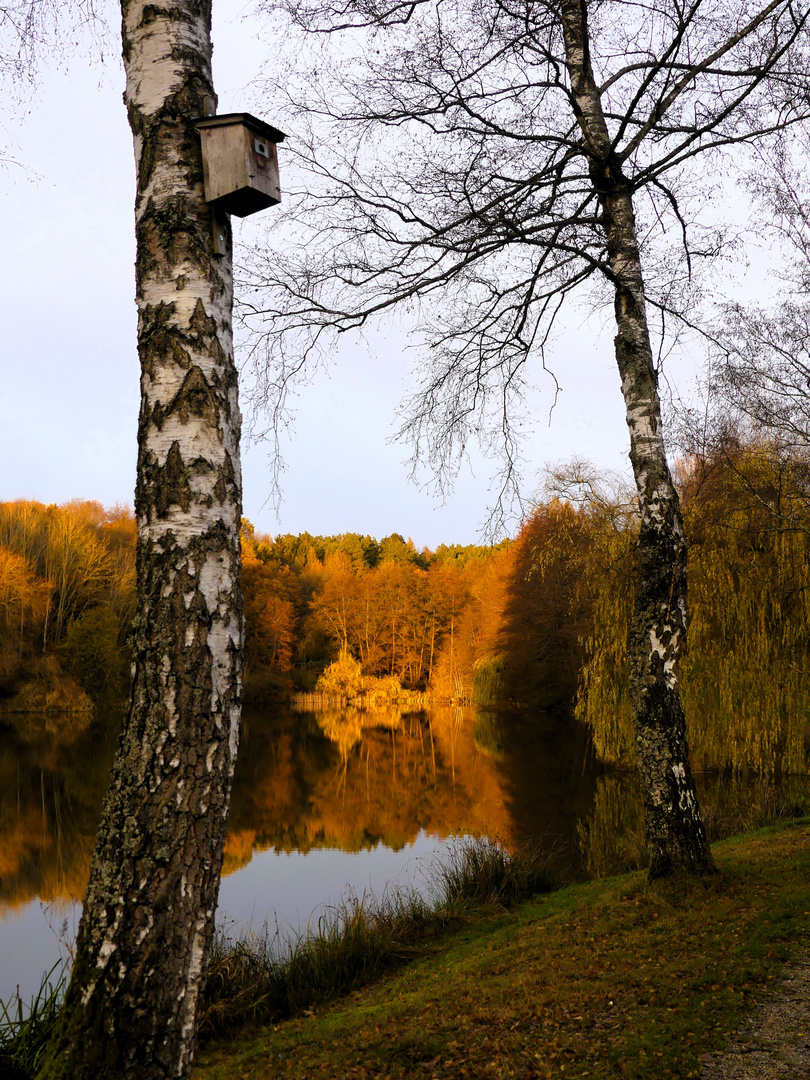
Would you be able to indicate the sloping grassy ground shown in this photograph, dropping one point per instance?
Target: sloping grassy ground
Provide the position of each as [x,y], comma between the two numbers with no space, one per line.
[259,979]
[611,978]
[251,980]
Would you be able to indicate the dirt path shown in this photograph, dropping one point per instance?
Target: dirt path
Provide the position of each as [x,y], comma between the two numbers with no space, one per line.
[775,1044]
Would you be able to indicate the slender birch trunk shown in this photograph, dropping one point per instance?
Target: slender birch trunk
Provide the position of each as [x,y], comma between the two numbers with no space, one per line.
[149,910]
[676,838]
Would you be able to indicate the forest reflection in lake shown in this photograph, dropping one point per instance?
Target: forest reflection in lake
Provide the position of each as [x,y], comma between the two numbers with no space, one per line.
[321,801]
[353,780]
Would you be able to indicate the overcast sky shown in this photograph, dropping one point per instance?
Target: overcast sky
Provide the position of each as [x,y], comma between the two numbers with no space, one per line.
[69,396]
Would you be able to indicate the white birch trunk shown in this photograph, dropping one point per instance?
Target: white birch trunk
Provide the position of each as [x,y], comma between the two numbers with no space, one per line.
[149,911]
[676,839]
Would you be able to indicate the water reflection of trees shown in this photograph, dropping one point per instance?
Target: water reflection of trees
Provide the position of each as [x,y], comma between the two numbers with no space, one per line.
[351,779]
[611,835]
[52,782]
[347,779]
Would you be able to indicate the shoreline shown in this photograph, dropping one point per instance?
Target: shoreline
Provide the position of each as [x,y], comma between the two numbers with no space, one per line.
[607,978]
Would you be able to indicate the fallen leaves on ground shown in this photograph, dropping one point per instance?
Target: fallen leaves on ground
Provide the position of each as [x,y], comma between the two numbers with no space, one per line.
[606,979]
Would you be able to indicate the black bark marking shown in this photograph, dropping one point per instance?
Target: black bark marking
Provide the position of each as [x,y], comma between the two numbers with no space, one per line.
[170,483]
[160,340]
[181,231]
[204,327]
[227,481]
[196,398]
[154,12]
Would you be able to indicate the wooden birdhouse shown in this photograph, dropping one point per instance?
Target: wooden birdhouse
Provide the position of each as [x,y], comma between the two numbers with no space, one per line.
[240,166]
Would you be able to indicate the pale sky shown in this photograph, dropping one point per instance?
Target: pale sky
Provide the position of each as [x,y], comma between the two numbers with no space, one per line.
[69,397]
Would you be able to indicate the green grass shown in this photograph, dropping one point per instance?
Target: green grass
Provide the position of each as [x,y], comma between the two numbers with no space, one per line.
[597,980]
[263,978]
[24,1032]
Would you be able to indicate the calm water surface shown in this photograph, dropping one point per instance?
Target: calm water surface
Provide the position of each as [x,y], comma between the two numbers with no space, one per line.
[323,805]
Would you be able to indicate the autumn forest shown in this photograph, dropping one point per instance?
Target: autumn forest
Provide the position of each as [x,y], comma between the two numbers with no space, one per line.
[537,621]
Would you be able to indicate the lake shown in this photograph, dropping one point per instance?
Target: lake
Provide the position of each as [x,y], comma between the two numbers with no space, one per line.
[324,804]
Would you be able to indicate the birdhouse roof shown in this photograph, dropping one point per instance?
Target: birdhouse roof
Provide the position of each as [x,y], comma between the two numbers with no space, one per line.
[226,119]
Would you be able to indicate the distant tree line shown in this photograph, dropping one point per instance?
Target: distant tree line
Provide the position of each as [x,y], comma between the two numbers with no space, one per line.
[67,600]
[310,599]
[540,620]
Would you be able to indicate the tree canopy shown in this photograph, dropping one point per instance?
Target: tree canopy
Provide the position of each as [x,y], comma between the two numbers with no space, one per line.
[442,168]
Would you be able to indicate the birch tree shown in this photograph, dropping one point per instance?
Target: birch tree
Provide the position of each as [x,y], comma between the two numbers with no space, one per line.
[149,909]
[479,163]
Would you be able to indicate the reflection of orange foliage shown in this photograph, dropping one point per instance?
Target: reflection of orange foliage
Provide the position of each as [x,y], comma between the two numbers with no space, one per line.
[422,774]
[238,850]
[479,796]
[33,864]
[266,792]
[301,783]
[19,839]
[67,880]
[395,775]
[348,779]
[51,789]
[344,727]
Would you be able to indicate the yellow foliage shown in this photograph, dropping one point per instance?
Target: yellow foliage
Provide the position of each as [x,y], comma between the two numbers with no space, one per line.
[603,702]
[344,682]
[745,677]
[343,679]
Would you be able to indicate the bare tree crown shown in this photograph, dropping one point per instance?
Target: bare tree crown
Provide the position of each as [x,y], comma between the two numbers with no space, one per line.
[447,164]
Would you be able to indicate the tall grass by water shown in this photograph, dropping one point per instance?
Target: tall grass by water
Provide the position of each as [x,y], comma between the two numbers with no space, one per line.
[265,976]
[25,1031]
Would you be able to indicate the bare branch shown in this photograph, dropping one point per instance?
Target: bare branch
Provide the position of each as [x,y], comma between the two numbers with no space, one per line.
[441,167]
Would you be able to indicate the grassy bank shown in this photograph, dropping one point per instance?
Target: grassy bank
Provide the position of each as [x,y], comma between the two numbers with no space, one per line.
[264,979]
[611,978]
[261,979]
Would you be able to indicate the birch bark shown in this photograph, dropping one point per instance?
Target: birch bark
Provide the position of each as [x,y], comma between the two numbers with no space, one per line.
[149,910]
[676,838]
